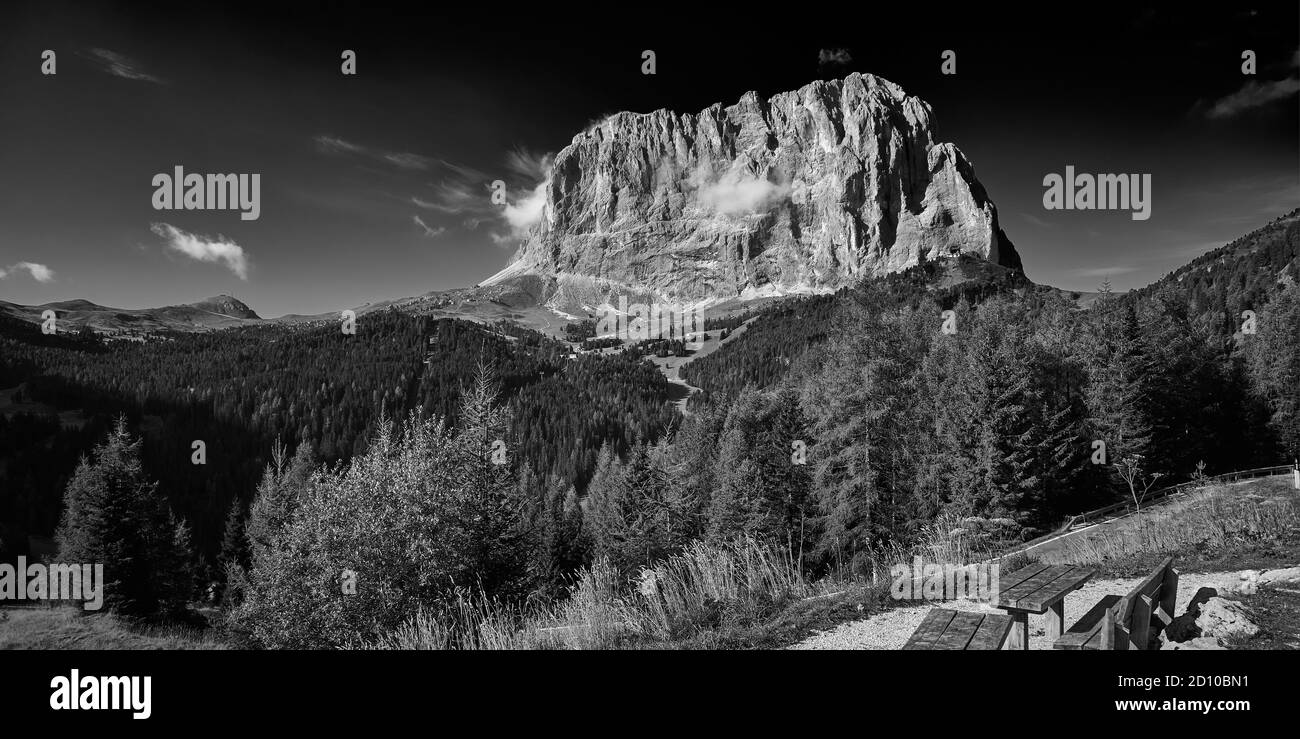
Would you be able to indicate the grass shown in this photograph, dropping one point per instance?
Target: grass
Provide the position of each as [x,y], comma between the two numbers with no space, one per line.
[742,595]
[66,627]
[1223,527]
[793,622]
[704,590]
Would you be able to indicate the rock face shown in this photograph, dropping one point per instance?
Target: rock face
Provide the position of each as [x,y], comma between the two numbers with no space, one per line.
[807,191]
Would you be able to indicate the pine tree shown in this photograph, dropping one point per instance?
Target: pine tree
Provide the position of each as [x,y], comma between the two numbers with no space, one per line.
[115,516]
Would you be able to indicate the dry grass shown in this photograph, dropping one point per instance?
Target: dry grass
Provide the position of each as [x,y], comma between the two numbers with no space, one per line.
[1219,517]
[67,627]
[698,589]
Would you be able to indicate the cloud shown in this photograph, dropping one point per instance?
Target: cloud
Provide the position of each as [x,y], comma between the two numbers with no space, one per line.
[457,196]
[429,232]
[406,160]
[527,211]
[205,249]
[529,164]
[828,57]
[39,272]
[467,193]
[121,66]
[335,145]
[400,159]
[1253,94]
[737,192]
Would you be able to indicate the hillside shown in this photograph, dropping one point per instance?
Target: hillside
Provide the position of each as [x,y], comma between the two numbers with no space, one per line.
[218,312]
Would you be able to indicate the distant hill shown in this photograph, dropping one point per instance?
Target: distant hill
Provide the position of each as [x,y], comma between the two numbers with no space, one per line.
[221,311]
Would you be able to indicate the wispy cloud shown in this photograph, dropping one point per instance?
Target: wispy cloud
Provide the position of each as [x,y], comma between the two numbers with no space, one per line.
[457,196]
[121,66]
[529,164]
[467,193]
[205,249]
[1254,94]
[400,159]
[39,272]
[429,232]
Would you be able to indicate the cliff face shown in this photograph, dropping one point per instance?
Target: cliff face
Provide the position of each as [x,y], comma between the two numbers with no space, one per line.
[807,191]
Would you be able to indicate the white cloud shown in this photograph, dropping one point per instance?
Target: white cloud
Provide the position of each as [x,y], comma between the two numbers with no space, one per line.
[429,232]
[527,211]
[529,164]
[467,193]
[399,159]
[120,66]
[205,249]
[39,272]
[1253,94]
[737,192]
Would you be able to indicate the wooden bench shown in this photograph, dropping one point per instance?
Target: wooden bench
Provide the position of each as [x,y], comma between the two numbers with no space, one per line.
[1128,622]
[944,628]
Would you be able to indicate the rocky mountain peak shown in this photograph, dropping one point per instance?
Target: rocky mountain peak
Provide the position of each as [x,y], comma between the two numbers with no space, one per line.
[805,191]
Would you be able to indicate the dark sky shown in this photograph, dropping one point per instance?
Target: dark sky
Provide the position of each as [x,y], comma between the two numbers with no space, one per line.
[446,101]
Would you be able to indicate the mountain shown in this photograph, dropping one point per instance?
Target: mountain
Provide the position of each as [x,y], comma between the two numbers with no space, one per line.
[806,191]
[1244,274]
[221,311]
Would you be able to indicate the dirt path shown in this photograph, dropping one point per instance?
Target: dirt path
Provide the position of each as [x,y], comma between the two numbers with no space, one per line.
[890,630]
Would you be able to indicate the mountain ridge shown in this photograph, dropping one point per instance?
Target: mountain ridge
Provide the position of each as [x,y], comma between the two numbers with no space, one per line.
[807,191]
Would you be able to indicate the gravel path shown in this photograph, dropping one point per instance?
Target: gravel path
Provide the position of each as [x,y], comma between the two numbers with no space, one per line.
[891,629]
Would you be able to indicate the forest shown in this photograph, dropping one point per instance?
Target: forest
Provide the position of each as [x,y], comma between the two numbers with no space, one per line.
[437,455]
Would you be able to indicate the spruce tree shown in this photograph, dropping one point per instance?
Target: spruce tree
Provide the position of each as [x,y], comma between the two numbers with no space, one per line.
[115,516]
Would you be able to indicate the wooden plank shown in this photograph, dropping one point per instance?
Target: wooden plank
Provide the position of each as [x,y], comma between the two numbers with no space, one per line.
[1120,638]
[1108,630]
[1057,589]
[992,633]
[1012,598]
[1019,576]
[1140,625]
[1018,639]
[959,631]
[931,628]
[1055,620]
[1008,596]
[1169,595]
[1148,583]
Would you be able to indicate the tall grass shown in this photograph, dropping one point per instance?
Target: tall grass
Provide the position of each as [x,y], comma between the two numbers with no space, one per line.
[1220,519]
[707,585]
[701,587]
